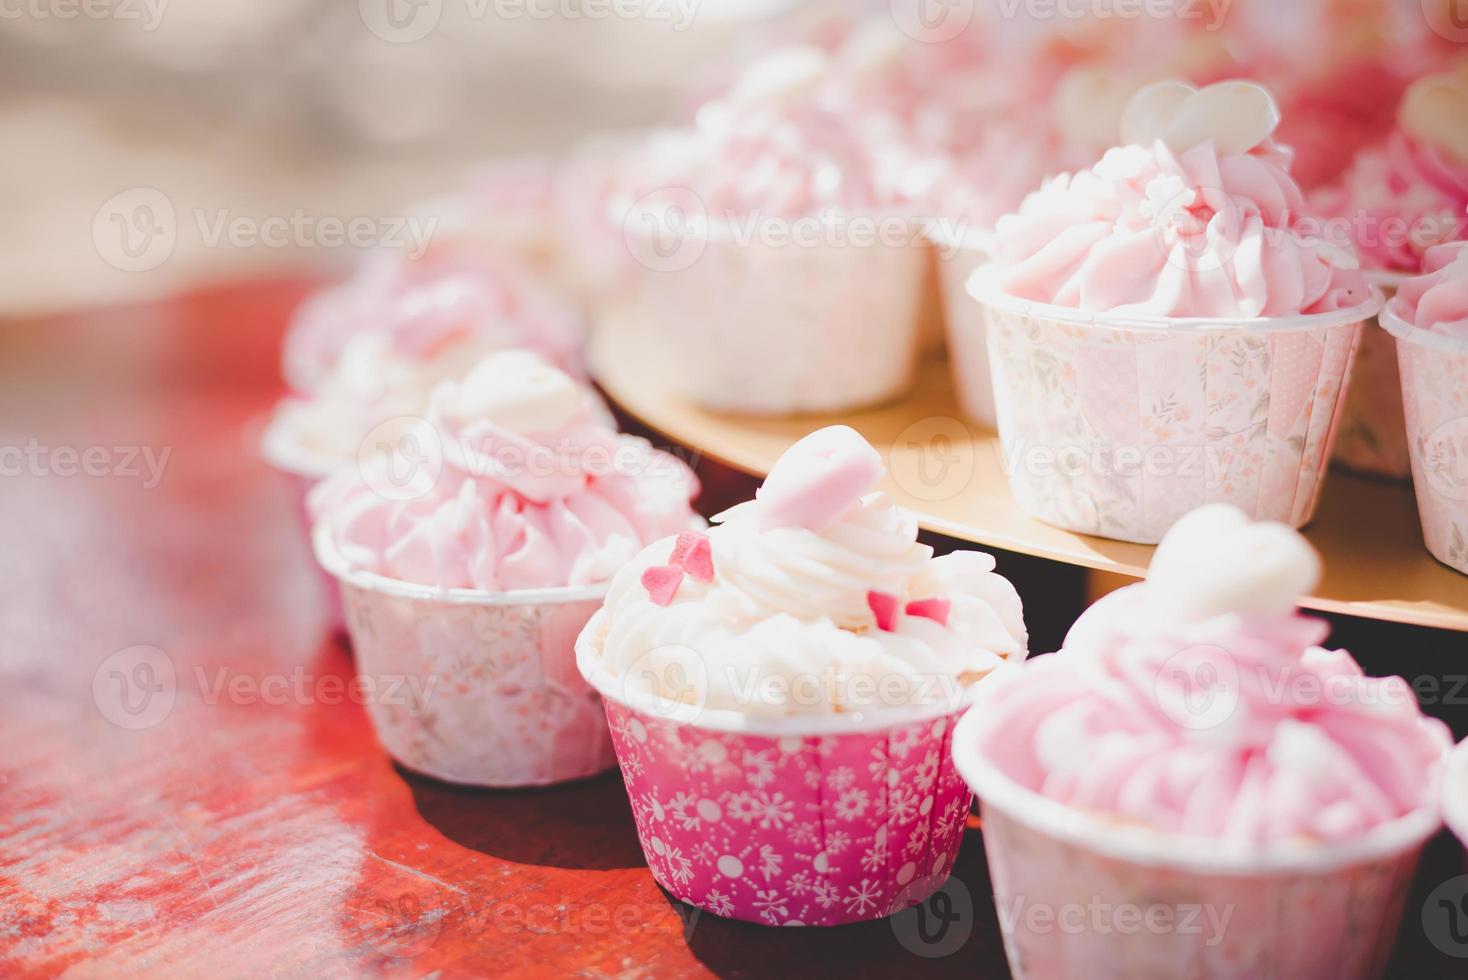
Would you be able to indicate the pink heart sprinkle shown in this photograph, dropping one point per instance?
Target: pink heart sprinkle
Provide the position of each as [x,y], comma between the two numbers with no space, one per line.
[661,583]
[934,609]
[695,555]
[884,606]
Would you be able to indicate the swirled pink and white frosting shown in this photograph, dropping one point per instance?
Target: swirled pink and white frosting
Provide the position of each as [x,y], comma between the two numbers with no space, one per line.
[421,309]
[1410,193]
[515,480]
[1200,704]
[1197,216]
[1437,300]
[814,598]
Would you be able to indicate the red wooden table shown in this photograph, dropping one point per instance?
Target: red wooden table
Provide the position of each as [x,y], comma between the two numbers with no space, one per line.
[214,804]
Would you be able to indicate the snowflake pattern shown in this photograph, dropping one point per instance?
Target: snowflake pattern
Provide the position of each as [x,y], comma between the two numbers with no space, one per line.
[814,830]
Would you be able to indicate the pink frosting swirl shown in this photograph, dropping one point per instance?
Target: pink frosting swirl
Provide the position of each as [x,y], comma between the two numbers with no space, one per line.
[516,503]
[1401,198]
[424,307]
[1150,232]
[1437,300]
[1235,727]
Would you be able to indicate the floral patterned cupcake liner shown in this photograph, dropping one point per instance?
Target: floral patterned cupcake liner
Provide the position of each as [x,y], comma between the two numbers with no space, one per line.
[1435,401]
[472,687]
[770,328]
[1373,430]
[807,820]
[1117,427]
[1079,895]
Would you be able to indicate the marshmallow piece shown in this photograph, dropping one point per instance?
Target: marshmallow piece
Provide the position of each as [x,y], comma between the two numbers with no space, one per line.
[818,480]
[781,79]
[661,583]
[693,553]
[1434,111]
[1215,561]
[1236,116]
[519,391]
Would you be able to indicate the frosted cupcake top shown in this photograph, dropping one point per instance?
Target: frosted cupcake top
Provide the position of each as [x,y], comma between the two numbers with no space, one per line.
[422,309]
[1195,215]
[1200,703]
[515,480]
[814,598]
[1403,196]
[1437,300]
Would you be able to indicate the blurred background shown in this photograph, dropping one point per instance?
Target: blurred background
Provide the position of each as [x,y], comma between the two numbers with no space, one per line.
[233,115]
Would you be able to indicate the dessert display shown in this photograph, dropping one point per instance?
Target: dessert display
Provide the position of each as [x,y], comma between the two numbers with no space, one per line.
[1193,746]
[1429,319]
[1398,200]
[472,554]
[1165,324]
[782,689]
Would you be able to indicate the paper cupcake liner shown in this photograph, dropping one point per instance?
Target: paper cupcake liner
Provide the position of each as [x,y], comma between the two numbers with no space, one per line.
[1434,372]
[1119,427]
[804,820]
[471,687]
[1082,897]
[754,327]
[1373,431]
[304,470]
[968,349]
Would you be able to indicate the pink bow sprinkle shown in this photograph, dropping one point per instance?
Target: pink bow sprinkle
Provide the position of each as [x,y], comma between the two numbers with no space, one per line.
[661,583]
[695,555]
[884,606]
[934,609]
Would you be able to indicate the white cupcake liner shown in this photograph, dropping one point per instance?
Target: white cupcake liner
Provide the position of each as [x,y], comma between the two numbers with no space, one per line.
[968,349]
[767,329]
[473,687]
[1117,426]
[304,469]
[1373,431]
[1081,896]
[1434,371]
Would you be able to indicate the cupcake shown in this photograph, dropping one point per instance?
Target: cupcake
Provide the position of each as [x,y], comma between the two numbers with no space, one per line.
[472,555]
[782,691]
[1429,319]
[786,274]
[1194,759]
[1163,332]
[1398,200]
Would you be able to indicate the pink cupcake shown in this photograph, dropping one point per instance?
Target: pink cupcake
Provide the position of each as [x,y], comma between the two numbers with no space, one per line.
[1194,787]
[1399,199]
[786,273]
[1429,319]
[1163,332]
[782,692]
[472,554]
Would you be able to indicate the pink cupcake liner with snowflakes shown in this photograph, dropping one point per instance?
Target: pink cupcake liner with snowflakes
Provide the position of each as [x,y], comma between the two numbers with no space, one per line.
[1435,400]
[1118,430]
[795,829]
